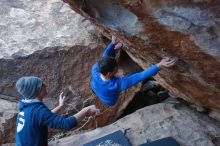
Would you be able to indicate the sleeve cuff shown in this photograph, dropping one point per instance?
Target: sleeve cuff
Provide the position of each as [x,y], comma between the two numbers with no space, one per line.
[74,121]
[112,45]
[156,68]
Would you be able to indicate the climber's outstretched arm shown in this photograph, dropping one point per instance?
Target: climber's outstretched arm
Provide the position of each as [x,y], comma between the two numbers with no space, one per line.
[109,51]
[129,81]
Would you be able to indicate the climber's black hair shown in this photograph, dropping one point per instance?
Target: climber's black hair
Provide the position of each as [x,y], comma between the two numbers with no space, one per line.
[106,65]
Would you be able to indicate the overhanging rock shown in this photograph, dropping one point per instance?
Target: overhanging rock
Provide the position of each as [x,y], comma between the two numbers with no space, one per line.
[152,29]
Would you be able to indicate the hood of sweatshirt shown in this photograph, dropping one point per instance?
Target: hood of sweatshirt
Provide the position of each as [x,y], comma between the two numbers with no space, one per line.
[24,104]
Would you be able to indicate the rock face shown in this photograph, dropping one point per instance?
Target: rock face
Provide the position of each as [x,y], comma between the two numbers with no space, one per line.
[8,115]
[189,30]
[61,68]
[49,40]
[27,26]
[172,118]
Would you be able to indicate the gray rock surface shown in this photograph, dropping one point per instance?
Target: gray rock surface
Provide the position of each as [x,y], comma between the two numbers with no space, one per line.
[27,26]
[8,115]
[173,118]
[215,115]
[201,24]
[151,85]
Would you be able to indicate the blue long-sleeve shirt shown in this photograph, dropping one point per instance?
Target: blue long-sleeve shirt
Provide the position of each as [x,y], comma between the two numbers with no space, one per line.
[33,122]
[108,91]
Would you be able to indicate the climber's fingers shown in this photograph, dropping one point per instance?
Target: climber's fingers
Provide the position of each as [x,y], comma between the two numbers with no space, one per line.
[118,46]
[171,62]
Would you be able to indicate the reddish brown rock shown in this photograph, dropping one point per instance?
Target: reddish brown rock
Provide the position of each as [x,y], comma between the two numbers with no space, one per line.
[189,30]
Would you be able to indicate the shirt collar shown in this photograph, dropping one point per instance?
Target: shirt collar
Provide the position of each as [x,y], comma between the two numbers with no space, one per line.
[30,100]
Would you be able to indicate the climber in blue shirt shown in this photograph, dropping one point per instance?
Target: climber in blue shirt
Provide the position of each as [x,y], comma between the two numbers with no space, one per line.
[106,86]
[34,118]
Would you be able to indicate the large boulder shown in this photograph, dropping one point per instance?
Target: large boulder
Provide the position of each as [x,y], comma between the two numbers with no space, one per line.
[62,69]
[47,39]
[27,26]
[189,30]
[173,118]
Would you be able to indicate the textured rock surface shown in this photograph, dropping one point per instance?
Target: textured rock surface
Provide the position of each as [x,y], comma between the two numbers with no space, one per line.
[189,30]
[8,115]
[67,49]
[173,118]
[215,115]
[60,68]
[49,40]
[27,26]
